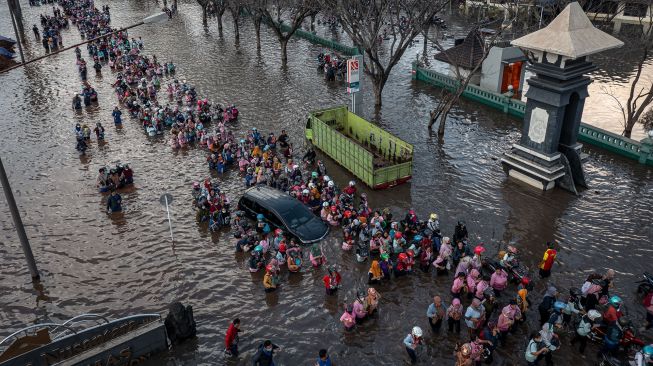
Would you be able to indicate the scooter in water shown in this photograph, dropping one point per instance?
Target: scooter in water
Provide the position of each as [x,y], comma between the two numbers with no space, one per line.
[516,272]
[629,341]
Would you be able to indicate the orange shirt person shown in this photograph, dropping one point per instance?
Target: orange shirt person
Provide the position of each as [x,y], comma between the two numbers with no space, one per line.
[547,260]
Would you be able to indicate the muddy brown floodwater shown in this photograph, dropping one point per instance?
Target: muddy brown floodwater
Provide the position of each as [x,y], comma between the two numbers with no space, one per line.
[127,264]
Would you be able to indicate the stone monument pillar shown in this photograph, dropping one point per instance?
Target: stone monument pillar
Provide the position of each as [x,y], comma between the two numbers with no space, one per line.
[548,151]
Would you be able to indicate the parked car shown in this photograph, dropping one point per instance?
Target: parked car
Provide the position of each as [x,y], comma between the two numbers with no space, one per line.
[284,212]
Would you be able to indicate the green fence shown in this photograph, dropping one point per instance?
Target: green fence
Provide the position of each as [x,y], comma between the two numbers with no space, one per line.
[314,38]
[640,151]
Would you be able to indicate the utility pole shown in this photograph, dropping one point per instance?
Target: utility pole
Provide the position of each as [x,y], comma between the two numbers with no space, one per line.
[18,222]
[19,39]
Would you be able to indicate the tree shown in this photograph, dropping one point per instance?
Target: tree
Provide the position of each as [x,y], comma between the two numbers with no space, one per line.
[220,7]
[205,10]
[368,21]
[462,75]
[235,7]
[640,95]
[255,8]
[293,10]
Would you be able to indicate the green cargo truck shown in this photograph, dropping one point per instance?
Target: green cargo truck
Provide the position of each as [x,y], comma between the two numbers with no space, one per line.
[375,156]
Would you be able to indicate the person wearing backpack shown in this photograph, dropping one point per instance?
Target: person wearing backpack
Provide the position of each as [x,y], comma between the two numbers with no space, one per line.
[585,326]
[547,304]
[535,350]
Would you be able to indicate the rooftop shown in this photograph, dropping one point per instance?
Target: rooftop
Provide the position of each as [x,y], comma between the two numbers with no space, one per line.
[467,54]
[570,34]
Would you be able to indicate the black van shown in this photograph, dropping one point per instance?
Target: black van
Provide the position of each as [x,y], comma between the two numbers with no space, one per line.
[284,212]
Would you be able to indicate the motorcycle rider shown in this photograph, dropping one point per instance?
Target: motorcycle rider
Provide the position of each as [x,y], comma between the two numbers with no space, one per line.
[612,313]
[585,326]
[613,336]
[645,356]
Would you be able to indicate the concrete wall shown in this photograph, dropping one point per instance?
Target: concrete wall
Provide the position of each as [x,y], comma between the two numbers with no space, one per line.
[492,68]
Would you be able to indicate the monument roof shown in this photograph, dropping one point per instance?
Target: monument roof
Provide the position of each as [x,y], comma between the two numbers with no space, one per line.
[467,55]
[570,34]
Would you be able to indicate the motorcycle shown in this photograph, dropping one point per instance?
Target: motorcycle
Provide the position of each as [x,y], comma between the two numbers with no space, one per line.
[645,286]
[516,273]
[629,341]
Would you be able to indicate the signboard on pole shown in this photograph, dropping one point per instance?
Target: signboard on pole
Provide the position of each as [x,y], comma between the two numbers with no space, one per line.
[353,75]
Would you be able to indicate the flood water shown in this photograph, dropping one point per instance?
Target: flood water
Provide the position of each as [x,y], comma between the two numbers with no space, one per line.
[128,264]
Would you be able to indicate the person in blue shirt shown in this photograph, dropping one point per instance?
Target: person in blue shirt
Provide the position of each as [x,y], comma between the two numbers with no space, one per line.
[116,116]
[411,342]
[114,202]
[436,313]
[323,359]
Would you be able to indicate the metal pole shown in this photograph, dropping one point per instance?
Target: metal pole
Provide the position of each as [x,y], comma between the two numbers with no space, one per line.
[18,38]
[541,15]
[20,229]
[169,222]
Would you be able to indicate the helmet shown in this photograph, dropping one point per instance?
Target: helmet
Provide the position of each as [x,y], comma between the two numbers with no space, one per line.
[623,321]
[326,178]
[512,249]
[330,184]
[325,204]
[648,350]
[314,175]
[196,185]
[466,349]
[385,256]
[402,256]
[525,281]
[356,222]
[417,238]
[260,217]
[311,185]
[352,183]
[398,235]
[593,314]
[295,167]
[347,214]
[479,249]
[306,192]
[559,305]
[615,300]
[417,331]
[434,216]
[411,253]
[278,231]
[334,208]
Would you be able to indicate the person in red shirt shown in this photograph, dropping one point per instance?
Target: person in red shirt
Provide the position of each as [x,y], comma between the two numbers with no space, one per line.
[612,313]
[231,339]
[547,260]
[332,281]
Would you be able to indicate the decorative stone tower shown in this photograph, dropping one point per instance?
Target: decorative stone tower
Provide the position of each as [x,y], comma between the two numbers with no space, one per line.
[548,152]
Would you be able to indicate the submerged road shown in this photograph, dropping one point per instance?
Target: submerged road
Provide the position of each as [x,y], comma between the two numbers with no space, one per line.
[126,264]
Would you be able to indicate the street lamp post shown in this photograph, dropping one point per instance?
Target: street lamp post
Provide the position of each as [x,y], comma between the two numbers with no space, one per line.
[4,180]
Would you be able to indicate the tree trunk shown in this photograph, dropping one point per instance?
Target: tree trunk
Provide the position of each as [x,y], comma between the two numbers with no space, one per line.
[257,27]
[628,129]
[443,119]
[220,22]
[284,51]
[426,41]
[378,82]
[236,16]
[204,16]
[313,22]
